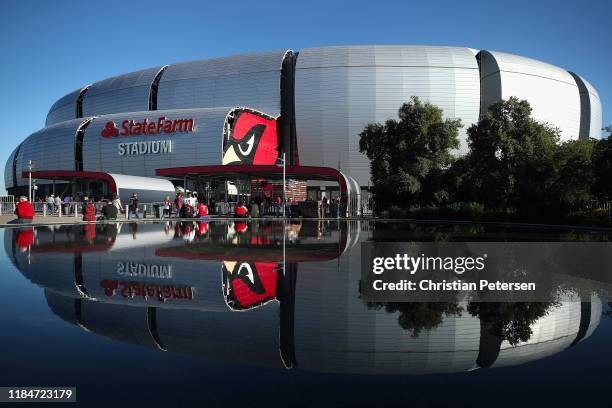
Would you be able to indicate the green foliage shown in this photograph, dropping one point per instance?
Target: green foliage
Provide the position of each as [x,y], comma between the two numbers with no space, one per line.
[452,211]
[602,169]
[515,170]
[569,187]
[409,156]
[511,157]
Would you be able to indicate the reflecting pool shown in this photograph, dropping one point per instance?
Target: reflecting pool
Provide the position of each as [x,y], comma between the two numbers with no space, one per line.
[255,313]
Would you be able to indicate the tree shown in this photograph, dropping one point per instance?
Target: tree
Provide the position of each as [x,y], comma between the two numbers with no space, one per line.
[602,169]
[408,158]
[570,189]
[511,157]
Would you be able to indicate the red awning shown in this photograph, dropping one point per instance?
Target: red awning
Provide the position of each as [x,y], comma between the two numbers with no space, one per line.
[260,171]
[71,175]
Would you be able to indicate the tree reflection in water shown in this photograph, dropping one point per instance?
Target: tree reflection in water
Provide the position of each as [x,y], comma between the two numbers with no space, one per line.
[509,321]
[418,316]
[503,321]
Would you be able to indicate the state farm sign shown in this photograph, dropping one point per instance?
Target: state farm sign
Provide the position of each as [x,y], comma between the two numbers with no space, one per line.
[130,127]
[146,127]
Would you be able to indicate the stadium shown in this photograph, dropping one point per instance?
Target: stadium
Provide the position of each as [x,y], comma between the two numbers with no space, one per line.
[226,125]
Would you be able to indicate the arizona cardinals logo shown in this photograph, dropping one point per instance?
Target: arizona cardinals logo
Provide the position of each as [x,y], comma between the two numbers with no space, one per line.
[252,139]
[110,130]
[247,285]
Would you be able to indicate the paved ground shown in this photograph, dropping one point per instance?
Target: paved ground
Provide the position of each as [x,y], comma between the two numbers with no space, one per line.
[10,220]
[39,219]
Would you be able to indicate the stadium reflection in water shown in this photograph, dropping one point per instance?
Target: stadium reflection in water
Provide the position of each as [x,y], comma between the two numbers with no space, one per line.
[272,294]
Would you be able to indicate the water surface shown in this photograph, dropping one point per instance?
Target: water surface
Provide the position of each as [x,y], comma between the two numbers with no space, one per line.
[266,313]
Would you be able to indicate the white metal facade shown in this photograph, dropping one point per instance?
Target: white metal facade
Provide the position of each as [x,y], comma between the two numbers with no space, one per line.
[335,91]
[251,80]
[63,109]
[51,148]
[203,146]
[551,91]
[122,93]
[590,109]
[339,90]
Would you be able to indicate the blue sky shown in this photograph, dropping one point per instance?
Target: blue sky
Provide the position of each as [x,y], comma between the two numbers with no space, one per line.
[49,48]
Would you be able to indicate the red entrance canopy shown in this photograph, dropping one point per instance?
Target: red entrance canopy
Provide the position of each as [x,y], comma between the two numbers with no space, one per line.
[263,171]
[74,175]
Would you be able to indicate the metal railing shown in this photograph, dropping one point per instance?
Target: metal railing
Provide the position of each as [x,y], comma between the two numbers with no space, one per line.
[75,209]
[7,204]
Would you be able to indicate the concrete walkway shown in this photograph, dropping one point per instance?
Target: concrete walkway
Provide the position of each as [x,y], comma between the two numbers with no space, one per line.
[9,219]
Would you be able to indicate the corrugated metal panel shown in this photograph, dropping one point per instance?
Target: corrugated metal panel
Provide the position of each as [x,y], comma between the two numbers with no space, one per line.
[596,122]
[523,65]
[149,189]
[63,109]
[8,170]
[122,93]
[341,89]
[386,55]
[51,148]
[251,80]
[551,91]
[200,147]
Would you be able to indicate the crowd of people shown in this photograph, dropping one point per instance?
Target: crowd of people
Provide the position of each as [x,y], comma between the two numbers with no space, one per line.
[183,205]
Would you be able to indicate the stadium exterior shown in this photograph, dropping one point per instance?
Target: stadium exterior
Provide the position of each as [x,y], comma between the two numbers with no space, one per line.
[234,117]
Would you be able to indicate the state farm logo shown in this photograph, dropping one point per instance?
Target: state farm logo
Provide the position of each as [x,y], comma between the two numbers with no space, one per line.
[146,290]
[110,130]
[146,127]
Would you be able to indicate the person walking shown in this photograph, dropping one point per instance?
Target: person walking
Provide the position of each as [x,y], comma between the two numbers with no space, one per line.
[324,208]
[241,211]
[167,207]
[191,200]
[202,210]
[66,204]
[255,209]
[178,202]
[57,201]
[117,202]
[89,214]
[109,211]
[133,206]
[186,210]
[50,204]
[24,211]
[279,203]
